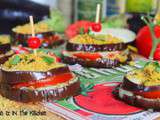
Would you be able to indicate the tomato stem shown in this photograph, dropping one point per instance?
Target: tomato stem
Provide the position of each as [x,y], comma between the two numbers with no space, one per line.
[154,46]
[155,40]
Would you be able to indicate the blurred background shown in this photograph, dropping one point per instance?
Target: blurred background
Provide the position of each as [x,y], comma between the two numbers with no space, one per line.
[16,12]
[57,21]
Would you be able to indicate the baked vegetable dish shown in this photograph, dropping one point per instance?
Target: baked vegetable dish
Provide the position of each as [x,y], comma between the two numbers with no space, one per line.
[5,48]
[141,87]
[20,34]
[31,78]
[102,51]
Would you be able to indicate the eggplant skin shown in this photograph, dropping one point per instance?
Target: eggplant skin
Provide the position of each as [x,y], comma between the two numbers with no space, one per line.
[16,77]
[4,48]
[5,58]
[131,86]
[101,63]
[21,38]
[27,95]
[95,48]
[136,100]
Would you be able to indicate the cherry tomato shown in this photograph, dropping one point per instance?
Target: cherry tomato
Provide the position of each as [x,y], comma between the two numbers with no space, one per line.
[96,27]
[90,56]
[34,42]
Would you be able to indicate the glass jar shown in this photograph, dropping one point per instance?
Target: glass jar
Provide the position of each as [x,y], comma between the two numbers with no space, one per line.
[86,9]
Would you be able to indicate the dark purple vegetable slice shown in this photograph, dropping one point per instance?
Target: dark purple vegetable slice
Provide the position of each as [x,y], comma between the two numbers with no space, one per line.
[19,38]
[4,48]
[30,95]
[136,100]
[95,48]
[14,77]
[101,63]
[131,86]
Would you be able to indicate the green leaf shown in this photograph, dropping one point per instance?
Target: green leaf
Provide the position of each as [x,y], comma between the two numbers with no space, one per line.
[147,64]
[82,86]
[90,90]
[90,86]
[158,69]
[155,63]
[84,93]
[48,60]
[90,32]
[81,31]
[157,66]
[15,60]
[86,88]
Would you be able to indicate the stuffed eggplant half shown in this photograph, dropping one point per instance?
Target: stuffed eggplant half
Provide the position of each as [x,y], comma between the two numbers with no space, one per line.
[103,51]
[32,78]
[141,87]
[5,48]
[20,34]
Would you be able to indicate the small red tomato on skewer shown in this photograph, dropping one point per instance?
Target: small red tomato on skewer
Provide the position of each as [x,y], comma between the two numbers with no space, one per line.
[34,42]
[96,27]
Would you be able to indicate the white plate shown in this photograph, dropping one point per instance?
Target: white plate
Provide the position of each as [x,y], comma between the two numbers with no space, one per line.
[122,33]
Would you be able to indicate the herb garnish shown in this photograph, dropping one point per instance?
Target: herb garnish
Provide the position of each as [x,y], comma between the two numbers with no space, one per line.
[48,60]
[155,63]
[15,60]
[81,31]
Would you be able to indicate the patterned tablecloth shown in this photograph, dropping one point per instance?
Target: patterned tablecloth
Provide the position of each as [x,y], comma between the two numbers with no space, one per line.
[100,104]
